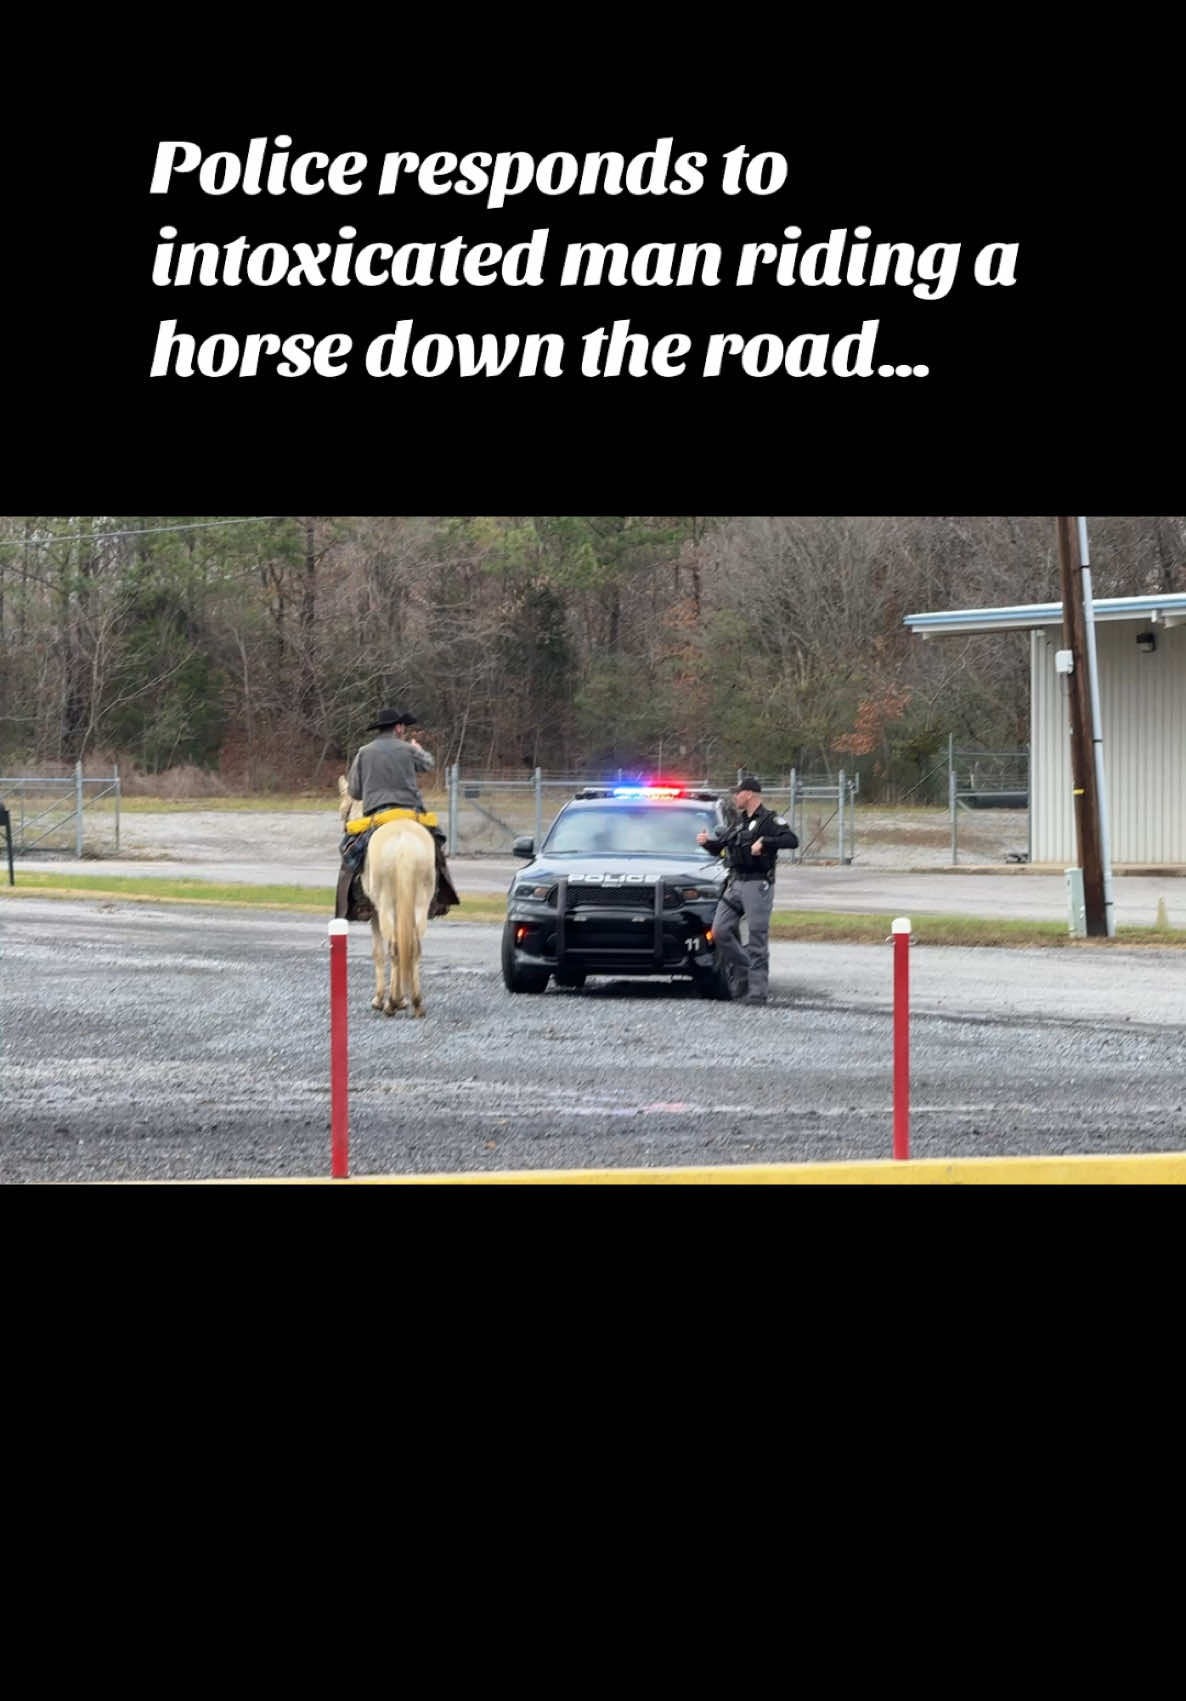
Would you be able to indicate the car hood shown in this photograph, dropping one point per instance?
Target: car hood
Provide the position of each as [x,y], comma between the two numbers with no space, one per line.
[693,865]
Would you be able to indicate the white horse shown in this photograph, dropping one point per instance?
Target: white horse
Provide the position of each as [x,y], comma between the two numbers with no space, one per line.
[399,878]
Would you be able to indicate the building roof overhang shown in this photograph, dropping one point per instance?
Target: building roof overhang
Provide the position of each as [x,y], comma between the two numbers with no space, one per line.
[1168,610]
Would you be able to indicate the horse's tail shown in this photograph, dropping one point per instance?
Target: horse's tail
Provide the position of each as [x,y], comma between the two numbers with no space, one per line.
[399,879]
[407,936]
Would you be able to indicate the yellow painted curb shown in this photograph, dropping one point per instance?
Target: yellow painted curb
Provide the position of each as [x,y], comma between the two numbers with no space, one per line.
[1159,1168]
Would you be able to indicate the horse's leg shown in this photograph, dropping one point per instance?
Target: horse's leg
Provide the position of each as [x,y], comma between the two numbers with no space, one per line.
[379,954]
[412,976]
[386,914]
[394,1002]
[399,990]
[416,940]
[408,942]
[399,999]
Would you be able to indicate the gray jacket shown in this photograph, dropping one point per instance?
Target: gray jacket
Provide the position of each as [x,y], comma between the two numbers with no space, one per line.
[383,774]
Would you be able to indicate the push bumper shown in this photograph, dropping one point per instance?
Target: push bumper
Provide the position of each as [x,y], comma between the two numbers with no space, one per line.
[607,938]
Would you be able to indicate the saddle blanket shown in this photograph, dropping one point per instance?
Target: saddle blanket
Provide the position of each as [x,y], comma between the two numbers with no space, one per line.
[361,823]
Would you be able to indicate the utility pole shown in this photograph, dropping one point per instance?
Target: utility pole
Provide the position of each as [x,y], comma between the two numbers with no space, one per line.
[1097,732]
[1083,775]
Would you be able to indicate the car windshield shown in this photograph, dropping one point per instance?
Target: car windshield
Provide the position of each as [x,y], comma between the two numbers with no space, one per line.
[641,832]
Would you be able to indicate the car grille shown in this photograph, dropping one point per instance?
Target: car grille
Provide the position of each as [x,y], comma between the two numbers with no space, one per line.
[616,897]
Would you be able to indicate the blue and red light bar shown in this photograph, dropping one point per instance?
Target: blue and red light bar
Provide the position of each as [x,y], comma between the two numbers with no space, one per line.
[648,791]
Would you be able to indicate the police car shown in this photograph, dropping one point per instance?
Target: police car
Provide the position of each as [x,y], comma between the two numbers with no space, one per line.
[618,887]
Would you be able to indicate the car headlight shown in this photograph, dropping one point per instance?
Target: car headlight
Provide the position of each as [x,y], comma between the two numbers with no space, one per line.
[527,889]
[693,893]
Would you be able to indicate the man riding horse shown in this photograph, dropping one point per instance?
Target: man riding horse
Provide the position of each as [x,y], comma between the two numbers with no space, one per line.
[383,776]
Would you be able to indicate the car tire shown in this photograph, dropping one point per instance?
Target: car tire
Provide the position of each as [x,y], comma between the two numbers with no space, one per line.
[570,977]
[515,978]
[713,982]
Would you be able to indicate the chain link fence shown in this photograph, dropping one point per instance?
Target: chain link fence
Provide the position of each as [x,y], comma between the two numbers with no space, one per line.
[73,815]
[993,781]
[986,821]
[823,815]
[486,813]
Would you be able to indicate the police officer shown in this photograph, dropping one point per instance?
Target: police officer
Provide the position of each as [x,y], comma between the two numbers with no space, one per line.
[383,775]
[751,847]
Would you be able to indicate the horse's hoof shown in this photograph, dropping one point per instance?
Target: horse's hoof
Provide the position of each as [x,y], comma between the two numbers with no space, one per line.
[390,1009]
[401,1004]
[376,1003]
[419,1009]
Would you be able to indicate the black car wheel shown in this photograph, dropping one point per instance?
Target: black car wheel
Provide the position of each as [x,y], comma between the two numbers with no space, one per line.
[515,978]
[712,982]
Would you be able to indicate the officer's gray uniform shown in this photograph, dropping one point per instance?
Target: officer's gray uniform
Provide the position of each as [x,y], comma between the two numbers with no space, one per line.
[749,971]
[751,886]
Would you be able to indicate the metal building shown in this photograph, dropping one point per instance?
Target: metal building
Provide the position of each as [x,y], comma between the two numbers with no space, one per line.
[1141,648]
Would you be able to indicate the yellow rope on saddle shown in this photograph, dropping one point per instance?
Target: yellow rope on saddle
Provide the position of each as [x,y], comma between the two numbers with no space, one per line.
[361,822]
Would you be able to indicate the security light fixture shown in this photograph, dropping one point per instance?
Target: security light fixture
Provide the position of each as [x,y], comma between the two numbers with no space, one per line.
[1147,641]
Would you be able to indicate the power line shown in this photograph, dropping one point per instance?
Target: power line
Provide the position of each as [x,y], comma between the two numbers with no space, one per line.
[143,531]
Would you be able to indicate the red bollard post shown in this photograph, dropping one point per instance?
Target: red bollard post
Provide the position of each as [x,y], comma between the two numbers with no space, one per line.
[901,935]
[339,1076]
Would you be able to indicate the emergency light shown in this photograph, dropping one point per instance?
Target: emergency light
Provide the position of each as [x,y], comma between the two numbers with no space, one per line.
[648,791]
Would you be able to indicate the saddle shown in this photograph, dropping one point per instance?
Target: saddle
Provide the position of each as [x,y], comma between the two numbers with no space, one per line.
[351,902]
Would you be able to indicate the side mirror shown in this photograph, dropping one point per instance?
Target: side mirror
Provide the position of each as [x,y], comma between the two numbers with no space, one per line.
[523,847]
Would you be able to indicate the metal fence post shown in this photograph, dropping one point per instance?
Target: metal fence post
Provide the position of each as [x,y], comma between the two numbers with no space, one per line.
[1029,809]
[539,808]
[840,800]
[115,778]
[78,808]
[951,804]
[454,789]
[796,855]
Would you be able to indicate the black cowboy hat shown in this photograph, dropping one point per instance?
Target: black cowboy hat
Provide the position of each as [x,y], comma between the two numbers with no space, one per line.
[387,718]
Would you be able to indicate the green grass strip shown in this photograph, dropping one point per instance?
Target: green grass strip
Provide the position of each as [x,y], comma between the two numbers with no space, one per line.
[806,926]
[822,926]
[309,900]
[148,888]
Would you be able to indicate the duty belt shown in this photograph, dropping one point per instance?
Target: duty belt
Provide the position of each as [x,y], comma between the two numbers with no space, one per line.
[361,822]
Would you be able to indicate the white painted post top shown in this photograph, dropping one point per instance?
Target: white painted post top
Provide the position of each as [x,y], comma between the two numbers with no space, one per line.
[338,927]
[901,925]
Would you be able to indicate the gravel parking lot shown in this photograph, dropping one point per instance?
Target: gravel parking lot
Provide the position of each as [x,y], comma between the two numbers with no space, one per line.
[145,1042]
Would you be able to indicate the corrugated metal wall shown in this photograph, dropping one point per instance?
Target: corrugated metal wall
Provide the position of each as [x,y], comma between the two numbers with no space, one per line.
[1143,702]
